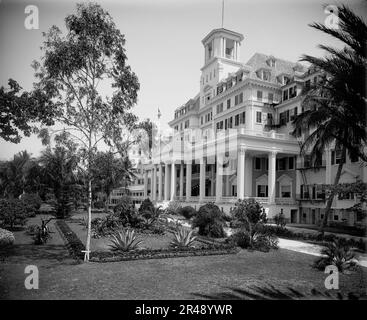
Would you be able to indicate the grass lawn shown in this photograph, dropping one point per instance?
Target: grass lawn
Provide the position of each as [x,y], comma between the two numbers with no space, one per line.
[246,275]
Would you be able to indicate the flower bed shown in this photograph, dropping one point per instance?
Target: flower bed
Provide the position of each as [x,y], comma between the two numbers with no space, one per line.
[107,256]
[157,246]
[6,238]
[74,245]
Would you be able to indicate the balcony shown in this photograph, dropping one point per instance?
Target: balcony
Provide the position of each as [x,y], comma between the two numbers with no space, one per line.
[302,165]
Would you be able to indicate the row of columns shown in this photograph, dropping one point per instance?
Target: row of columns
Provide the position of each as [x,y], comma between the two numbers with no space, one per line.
[244,185]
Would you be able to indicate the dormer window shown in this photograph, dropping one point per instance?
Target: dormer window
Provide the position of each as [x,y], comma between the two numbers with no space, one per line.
[271,62]
[264,74]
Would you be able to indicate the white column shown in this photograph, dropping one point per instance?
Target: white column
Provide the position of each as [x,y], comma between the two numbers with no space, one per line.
[145,184]
[219,179]
[160,182]
[166,181]
[188,180]
[212,185]
[154,183]
[248,175]
[173,181]
[181,179]
[241,173]
[328,167]
[272,176]
[202,180]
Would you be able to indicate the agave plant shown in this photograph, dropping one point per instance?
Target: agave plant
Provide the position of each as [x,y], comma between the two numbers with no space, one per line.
[183,238]
[125,240]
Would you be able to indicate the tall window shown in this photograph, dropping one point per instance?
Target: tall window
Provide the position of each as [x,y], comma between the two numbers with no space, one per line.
[259,95]
[243,117]
[258,116]
[237,120]
[285,191]
[228,103]
[257,163]
[270,97]
[262,190]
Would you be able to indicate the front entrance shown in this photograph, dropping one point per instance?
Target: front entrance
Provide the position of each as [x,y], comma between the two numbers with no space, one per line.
[294,215]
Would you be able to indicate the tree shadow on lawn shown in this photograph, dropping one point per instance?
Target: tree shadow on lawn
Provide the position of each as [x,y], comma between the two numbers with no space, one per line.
[269,292]
[50,254]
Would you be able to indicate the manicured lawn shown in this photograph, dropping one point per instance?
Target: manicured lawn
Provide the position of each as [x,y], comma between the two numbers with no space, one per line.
[243,275]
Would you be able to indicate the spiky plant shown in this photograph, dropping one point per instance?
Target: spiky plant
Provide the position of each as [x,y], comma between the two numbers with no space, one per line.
[125,240]
[337,253]
[183,238]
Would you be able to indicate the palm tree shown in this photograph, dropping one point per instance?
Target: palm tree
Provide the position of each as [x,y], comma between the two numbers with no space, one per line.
[13,174]
[110,172]
[336,105]
[60,167]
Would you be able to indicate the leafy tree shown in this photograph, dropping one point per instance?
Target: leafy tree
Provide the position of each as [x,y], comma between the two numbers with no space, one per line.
[62,175]
[12,212]
[13,174]
[250,214]
[109,171]
[71,72]
[18,111]
[336,105]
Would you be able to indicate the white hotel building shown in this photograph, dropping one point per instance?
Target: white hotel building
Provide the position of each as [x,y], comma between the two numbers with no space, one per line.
[241,121]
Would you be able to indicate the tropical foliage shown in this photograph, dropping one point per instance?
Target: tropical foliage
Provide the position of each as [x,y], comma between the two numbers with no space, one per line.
[337,253]
[70,73]
[335,107]
[125,241]
[183,238]
[209,219]
[13,212]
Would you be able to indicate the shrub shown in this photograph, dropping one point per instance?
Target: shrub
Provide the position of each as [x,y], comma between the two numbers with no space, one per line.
[337,253]
[151,215]
[32,199]
[99,204]
[32,229]
[241,239]
[187,212]
[173,207]
[146,205]
[126,212]
[104,226]
[6,238]
[124,241]
[209,220]
[280,220]
[183,238]
[260,240]
[12,212]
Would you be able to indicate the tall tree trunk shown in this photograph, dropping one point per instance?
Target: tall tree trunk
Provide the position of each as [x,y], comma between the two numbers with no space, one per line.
[332,193]
[87,246]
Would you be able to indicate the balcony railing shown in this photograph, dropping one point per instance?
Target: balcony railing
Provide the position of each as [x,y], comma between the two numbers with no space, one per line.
[309,165]
[267,134]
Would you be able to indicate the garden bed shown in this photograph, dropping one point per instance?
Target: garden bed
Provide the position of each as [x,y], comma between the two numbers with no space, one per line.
[154,246]
[73,243]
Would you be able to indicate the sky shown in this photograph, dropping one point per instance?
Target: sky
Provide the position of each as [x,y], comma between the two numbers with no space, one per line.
[163,42]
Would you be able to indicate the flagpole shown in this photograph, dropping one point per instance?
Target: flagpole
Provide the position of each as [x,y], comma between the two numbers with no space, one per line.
[222,13]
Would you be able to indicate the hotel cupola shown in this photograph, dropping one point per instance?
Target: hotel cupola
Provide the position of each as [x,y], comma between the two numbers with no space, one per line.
[221,57]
